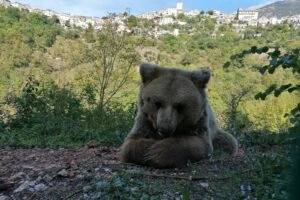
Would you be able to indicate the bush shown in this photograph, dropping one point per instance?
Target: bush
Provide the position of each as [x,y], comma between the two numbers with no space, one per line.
[47,115]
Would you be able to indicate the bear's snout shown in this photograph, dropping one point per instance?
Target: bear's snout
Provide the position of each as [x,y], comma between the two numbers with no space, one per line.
[166,121]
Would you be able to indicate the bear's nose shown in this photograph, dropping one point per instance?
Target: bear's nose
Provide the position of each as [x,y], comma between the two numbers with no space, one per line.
[165,131]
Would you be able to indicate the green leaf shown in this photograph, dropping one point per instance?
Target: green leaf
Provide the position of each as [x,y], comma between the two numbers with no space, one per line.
[296,110]
[275,53]
[281,89]
[292,89]
[186,195]
[253,49]
[263,69]
[260,95]
[265,49]
[271,70]
[227,64]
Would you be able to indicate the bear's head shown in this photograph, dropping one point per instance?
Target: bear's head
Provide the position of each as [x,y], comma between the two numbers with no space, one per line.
[172,100]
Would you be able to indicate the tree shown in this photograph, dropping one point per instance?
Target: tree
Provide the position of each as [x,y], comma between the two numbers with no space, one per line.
[89,34]
[114,58]
[210,12]
[132,22]
[289,60]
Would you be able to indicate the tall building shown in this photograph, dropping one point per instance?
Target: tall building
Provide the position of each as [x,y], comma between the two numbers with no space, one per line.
[179,7]
[249,16]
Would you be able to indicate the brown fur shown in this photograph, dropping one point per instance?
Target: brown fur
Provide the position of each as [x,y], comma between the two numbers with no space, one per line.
[175,123]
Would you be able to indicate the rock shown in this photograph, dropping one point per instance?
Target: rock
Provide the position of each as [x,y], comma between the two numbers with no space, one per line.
[133,189]
[47,178]
[63,173]
[40,187]
[74,165]
[205,185]
[103,185]
[2,197]
[38,179]
[24,186]
[85,196]
[18,176]
[51,166]
[79,176]
[86,188]
[31,168]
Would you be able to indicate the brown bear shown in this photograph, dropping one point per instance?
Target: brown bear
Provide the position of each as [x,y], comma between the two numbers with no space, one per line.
[174,123]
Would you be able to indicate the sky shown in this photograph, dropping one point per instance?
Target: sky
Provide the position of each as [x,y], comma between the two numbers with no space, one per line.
[101,8]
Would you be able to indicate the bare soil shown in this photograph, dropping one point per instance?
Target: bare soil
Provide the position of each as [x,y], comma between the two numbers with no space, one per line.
[96,173]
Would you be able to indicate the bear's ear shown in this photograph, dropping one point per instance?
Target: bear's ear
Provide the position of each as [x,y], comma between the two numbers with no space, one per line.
[148,72]
[200,78]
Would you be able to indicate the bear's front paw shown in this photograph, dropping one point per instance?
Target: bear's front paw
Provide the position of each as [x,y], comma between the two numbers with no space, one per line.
[134,150]
[166,154]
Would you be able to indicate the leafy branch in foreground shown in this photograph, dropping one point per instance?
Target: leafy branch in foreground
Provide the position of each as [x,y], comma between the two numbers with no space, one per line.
[289,60]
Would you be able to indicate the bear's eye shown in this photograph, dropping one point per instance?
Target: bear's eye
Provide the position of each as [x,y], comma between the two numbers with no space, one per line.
[158,104]
[179,107]
[142,102]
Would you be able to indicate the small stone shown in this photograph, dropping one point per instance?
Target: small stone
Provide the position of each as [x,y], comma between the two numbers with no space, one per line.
[18,176]
[63,173]
[2,197]
[40,187]
[74,165]
[24,186]
[205,185]
[39,178]
[133,189]
[102,185]
[79,176]
[87,188]
[107,170]
[48,178]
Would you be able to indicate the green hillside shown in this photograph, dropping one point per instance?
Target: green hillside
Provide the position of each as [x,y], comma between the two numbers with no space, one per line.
[68,87]
[55,75]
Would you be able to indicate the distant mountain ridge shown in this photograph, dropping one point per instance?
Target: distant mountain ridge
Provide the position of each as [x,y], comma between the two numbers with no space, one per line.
[280,9]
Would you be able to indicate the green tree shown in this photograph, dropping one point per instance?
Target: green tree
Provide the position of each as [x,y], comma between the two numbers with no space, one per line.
[132,22]
[89,34]
[114,58]
[210,12]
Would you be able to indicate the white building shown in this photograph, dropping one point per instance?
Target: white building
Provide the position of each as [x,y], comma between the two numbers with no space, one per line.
[192,13]
[166,20]
[5,3]
[249,16]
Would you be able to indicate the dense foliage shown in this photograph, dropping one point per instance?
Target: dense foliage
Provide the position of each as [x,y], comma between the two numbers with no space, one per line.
[81,84]
[68,86]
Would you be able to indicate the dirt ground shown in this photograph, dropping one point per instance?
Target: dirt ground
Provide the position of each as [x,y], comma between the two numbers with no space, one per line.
[96,173]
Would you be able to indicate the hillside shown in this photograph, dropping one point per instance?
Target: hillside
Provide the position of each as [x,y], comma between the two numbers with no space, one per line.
[281,9]
[62,119]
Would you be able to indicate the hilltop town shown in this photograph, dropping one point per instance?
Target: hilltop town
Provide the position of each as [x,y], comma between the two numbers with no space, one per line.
[239,20]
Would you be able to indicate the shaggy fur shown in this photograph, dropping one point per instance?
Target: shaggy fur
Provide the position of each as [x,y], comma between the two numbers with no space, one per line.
[174,123]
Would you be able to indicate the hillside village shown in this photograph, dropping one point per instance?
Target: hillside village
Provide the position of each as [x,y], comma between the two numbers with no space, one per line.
[239,20]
